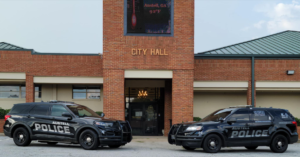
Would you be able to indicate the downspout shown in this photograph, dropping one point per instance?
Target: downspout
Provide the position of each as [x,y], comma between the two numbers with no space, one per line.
[252,81]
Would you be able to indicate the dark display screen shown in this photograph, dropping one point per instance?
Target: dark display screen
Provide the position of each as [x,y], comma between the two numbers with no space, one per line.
[149,16]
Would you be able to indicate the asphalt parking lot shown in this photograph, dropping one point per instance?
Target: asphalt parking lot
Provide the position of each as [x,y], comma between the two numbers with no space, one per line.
[140,146]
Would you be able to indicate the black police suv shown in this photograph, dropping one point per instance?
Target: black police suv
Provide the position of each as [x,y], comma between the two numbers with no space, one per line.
[238,126]
[64,122]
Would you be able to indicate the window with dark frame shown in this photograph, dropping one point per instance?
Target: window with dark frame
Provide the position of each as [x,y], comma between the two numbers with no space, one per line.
[86,92]
[17,91]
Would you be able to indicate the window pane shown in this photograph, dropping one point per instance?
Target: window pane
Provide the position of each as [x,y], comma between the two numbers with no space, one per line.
[20,109]
[260,116]
[10,88]
[9,94]
[93,95]
[79,89]
[38,94]
[37,88]
[93,89]
[58,110]
[242,115]
[79,95]
[40,109]
[23,95]
[23,88]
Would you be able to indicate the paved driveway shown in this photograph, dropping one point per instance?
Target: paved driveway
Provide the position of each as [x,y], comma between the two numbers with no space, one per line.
[140,146]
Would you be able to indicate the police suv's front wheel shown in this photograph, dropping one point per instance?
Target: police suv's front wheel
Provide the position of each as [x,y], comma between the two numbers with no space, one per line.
[279,144]
[212,143]
[21,137]
[88,140]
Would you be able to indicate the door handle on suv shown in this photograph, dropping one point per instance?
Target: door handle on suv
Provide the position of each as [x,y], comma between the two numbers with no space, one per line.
[28,116]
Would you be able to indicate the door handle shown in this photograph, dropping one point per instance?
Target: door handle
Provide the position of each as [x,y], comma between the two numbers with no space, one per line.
[28,116]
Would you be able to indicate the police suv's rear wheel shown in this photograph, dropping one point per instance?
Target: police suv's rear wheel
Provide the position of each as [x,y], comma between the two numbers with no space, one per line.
[52,143]
[88,140]
[188,148]
[21,137]
[212,143]
[114,146]
[279,144]
[251,147]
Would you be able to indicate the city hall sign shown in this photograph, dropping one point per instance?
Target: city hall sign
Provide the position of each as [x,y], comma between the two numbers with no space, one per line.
[153,52]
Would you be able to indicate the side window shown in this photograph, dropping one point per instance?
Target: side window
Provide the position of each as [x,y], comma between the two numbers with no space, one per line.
[20,109]
[40,109]
[284,115]
[260,115]
[240,115]
[58,110]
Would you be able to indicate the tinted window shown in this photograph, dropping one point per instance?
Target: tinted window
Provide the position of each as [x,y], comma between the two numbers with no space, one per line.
[40,109]
[284,115]
[260,115]
[20,109]
[215,116]
[58,110]
[82,111]
[240,115]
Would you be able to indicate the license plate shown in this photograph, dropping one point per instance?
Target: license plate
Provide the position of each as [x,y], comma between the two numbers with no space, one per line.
[173,137]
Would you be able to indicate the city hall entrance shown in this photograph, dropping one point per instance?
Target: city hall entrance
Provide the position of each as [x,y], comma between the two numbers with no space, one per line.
[144,109]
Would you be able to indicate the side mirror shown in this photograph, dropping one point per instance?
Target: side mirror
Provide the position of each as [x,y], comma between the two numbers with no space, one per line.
[65,114]
[231,120]
[102,114]
[221,119]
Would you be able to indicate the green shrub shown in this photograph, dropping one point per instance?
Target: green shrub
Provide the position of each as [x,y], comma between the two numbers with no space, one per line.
[3,112]
[99,112]
[298,121]
[197,119]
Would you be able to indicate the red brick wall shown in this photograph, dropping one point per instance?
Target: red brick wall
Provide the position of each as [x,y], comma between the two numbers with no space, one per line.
[117,47]
[1,125]
[113,88]
[168,107]
[182,96]
[180,49]
[50,65]
[30,95]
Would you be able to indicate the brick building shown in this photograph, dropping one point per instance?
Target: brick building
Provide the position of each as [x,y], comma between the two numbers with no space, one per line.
[148,73]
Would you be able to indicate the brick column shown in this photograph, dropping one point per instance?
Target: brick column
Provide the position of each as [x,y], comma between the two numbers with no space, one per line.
[182,96]
[168,107]
[113,91]
[29,89]
[249,99]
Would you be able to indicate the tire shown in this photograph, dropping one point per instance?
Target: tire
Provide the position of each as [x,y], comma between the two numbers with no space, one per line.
[212,143]
[251,147]
[88,140]
[188,148]
[52,143]
[21,137]
[114,146]
[279,144]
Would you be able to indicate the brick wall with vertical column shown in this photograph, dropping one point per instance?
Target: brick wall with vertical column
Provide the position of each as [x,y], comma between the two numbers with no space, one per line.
[249,93]
[182,96]
[168,106]
[113,91]
[29,88]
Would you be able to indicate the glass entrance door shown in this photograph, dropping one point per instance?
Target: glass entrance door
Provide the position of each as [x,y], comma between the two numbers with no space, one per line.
[143,118]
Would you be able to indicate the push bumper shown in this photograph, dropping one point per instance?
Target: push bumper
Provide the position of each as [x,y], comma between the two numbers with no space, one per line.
[121,138]
[180,139]
[6,133]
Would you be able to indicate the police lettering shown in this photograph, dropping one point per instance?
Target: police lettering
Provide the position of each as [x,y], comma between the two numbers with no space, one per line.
[255,133]
[54,128]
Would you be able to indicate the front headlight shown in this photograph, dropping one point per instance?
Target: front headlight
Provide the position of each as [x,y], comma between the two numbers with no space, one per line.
[193,128]
[104,124]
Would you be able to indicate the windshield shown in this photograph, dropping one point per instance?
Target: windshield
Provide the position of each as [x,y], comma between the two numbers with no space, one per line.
[215,116]
[82,111]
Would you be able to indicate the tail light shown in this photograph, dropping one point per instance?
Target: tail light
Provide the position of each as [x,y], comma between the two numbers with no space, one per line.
[6,116]
[295,123]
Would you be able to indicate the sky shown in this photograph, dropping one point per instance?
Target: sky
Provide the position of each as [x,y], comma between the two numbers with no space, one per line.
[75,26]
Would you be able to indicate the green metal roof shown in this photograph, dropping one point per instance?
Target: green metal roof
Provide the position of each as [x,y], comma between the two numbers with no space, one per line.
[7,46]
[283,43]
